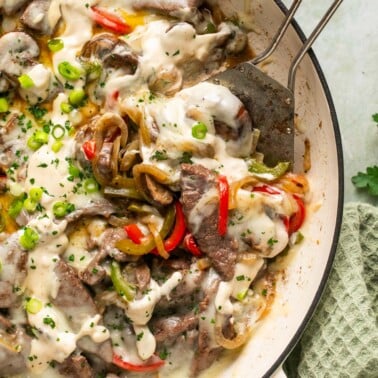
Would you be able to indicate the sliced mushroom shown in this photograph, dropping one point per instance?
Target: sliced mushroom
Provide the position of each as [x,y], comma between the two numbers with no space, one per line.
[10,7]
[17,50]
[111,51]
[166,6]
[35,16]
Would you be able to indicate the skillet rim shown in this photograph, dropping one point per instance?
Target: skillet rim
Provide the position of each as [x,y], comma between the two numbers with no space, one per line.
[339,214]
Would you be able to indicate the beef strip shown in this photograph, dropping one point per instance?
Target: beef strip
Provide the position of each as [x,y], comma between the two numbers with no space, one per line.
[196,181]
[160,194]
[167,329]
[13,272]
[205,354]
[13,361]
[102,207]
[76,303]
[76,367]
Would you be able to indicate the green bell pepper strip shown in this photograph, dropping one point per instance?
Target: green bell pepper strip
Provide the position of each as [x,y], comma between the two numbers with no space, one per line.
[277,171]
[122,287]
[148,244]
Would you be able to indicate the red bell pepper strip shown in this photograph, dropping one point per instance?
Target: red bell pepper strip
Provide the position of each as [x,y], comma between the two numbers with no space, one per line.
[296,220]
[266,189]
[223,189]
[89,148]
[191,245]
[134,233]
[110,21]
[178,232]
[118,361]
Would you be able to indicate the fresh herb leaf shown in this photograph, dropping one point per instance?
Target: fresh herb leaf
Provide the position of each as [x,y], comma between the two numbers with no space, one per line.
[367,180]
[186,158]
[37,111]
[375,117]
[159,155]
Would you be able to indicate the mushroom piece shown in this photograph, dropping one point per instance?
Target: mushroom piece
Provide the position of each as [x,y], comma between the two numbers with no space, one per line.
[10,7]
[35,16]
[166,6]
[17,50]
[111,51]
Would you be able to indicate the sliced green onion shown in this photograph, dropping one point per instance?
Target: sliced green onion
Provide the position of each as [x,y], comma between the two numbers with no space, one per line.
[76,97]
[15,207]
[35,194]
[26,81]
[33,306]
[60,209]
[199,130]
[90,185]
[240,296]
[33,144]
[55,44]
[4,106]
[68,71]
[65,107]
[41,137]
[73,170]
[30,206]
[58,132]
[29,239]
[56,146]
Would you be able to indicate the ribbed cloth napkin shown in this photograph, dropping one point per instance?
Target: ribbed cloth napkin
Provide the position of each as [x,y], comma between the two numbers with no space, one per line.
[341,339]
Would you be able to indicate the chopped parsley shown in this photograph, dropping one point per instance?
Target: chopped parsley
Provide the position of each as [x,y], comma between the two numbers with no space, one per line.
[159,155]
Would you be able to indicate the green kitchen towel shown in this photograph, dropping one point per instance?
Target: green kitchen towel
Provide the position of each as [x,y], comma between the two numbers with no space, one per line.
[341,339]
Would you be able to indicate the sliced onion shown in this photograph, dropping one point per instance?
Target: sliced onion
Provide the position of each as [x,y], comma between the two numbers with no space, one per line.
[240,339]
[235,186]
[158,241]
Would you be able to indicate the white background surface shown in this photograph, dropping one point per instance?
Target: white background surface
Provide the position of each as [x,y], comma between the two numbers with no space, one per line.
[348,53]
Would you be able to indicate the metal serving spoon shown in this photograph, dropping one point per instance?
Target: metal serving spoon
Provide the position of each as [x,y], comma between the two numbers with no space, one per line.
[270,104]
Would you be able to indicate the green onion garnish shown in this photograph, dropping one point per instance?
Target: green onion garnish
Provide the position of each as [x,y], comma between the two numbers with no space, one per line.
[4,106]
[65,107]
[30,205]
[26,81]
[90,185]
[199,130]
[68,71]
[16,207]
[60,209]
[76,97]
[35,194]
[55,44]
[56,146]
[29,239]
[58,132]
[33,306]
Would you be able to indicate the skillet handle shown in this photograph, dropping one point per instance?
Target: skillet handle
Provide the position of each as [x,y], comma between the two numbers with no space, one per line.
[279,373]
[310,40]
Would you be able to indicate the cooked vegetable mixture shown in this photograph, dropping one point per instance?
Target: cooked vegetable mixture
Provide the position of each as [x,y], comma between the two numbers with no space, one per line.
[137,218]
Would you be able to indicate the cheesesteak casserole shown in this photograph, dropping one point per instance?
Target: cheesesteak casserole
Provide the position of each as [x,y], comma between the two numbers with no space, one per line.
[138,219]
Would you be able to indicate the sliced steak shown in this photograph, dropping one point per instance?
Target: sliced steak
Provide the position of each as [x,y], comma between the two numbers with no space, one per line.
[196,181]
[76,367]
[13,272]
[14,350]
[205,355]
[101,207]
[160,194]
[167,329]
[76,303]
